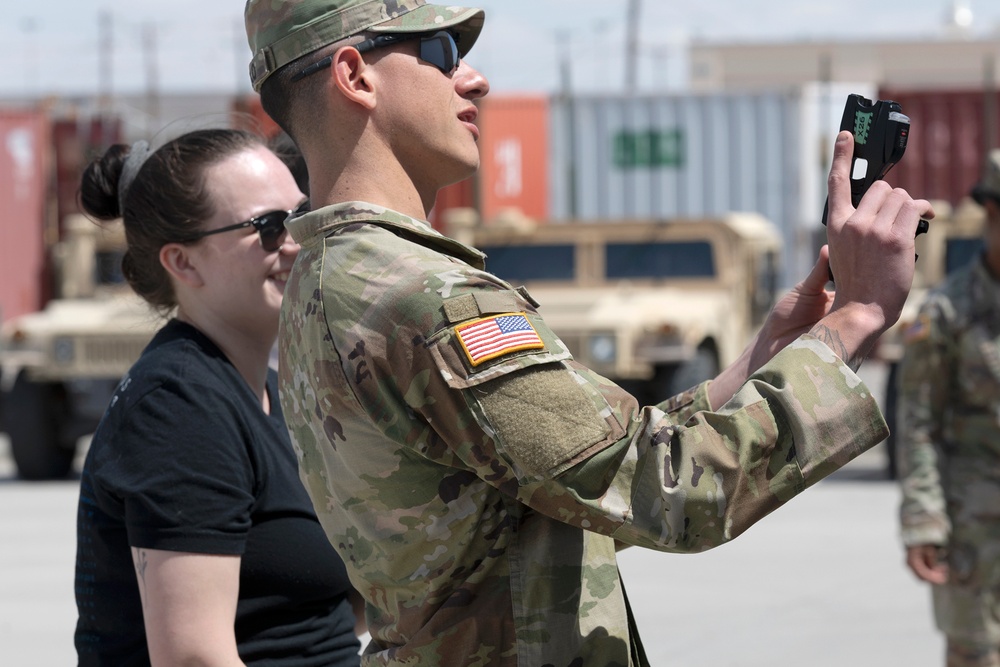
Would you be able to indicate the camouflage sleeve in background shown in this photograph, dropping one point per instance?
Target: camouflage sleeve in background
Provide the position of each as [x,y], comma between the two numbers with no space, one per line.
[923,389]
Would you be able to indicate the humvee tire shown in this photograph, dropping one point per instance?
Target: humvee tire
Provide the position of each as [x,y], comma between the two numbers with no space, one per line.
[33,414]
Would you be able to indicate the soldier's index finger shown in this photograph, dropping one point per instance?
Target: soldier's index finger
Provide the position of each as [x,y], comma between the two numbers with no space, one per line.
[839,183]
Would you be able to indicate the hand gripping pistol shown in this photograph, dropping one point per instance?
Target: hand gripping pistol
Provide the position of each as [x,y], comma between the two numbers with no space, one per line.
[880,133]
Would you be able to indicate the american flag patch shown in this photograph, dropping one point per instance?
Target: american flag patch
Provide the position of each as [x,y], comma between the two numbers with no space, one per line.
[496,336]
[918,330]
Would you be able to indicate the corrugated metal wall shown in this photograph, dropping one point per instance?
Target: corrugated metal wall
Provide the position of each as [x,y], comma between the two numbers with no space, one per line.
[24,155]
[663,157]
[700,155]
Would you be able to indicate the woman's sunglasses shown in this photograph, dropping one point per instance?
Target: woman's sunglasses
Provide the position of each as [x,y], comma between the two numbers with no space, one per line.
[269,226]
[439,49]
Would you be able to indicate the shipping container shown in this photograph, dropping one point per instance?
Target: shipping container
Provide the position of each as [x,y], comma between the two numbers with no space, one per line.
[247,113]
[24,164]
[514,146]
[948,141]
[456,195]
[700,155]
[76,140]
[514,161]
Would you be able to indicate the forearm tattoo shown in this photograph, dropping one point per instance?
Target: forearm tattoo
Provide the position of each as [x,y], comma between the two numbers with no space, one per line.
[141,563]
[832,339]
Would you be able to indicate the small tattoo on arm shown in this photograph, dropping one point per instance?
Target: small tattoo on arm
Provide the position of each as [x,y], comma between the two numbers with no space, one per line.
[141,563]
[834,342]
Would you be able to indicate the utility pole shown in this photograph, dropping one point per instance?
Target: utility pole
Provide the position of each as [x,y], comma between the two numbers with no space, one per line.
[632,46]
[241,57]
[105,48]
[566,83]
[152,76]
[29,26]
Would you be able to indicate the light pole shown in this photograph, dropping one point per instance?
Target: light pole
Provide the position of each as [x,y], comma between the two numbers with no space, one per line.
[149,52]
[105,68]
[29,26]
[632,45]
[566,82]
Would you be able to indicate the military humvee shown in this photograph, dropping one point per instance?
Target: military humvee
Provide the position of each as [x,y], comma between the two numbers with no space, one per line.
[656,306]
[59,366]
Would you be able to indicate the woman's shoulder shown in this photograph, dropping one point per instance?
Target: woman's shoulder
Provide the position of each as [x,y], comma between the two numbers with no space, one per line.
[177,396]
[180,378]
[178,353]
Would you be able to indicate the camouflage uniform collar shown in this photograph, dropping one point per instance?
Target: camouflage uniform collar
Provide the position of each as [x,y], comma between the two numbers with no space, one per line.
[318,224]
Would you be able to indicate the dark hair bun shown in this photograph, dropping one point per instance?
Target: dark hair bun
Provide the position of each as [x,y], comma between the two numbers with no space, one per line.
[99,185]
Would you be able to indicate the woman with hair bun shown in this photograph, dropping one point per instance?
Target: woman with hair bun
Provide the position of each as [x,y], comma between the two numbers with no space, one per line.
[196,541]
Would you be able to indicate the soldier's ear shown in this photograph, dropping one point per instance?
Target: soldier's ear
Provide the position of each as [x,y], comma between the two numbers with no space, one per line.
[176,259]
[355,80]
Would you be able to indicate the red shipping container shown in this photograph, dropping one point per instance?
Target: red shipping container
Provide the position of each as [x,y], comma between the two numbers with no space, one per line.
[514,161]
[246,113]
[948,141]
[76,141]
[457,195]
[514,149]
[24,162]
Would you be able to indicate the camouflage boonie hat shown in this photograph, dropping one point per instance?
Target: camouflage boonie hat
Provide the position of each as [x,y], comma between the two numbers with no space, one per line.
[989,185]
[280,31]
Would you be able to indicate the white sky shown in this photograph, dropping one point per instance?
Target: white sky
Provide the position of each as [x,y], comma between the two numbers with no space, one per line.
[52,46]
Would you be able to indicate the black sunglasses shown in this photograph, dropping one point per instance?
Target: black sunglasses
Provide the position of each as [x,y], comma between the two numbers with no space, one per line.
[439,49]
[270,226]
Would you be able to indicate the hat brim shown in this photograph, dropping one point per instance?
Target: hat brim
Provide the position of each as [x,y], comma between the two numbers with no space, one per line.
[465,22]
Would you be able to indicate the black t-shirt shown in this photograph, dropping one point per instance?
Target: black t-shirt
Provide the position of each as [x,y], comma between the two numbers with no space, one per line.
[185,460]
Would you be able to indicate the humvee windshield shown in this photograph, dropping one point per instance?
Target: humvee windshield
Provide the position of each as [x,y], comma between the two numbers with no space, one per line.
[687,259]
[531,262]
[679,259]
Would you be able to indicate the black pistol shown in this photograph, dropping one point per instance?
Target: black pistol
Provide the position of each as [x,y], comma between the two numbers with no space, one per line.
[880,132]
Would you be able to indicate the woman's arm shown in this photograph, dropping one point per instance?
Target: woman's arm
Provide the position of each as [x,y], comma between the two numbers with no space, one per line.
[189,606]
[358,605]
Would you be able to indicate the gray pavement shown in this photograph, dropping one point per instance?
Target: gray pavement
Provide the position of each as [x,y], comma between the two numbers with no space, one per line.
[819,583]
[37,550]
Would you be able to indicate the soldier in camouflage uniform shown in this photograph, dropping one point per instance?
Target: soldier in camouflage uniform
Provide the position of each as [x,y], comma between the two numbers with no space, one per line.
[949,407]
[475,478]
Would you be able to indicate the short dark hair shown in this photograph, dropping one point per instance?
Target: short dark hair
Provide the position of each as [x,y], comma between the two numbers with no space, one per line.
[167,202]
[286,149]
[276,97]
[289,102]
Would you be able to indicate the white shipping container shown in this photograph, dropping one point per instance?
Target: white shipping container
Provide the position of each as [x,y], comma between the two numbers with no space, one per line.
[700,155]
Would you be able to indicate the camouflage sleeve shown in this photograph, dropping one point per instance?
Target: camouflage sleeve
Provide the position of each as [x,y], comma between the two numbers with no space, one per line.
[922,392]
[678,409]
[695,485]
[576,447]
[539,427]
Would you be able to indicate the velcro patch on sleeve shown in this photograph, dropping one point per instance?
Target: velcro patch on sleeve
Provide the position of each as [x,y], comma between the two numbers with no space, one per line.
[545,419]
[496,336]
